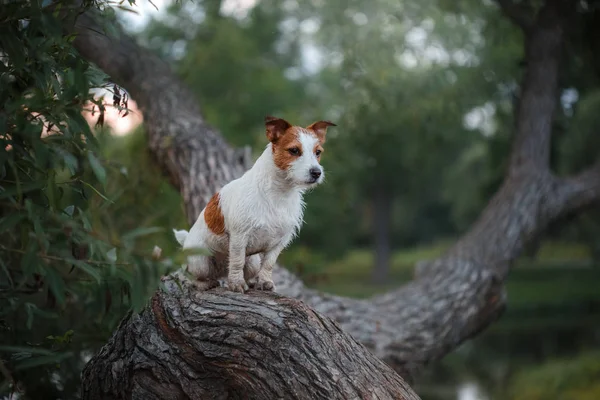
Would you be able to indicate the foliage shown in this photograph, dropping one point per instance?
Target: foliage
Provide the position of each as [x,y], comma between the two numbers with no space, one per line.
[568,379]
[243,70]
[400,80]
[142,197]
[66,280]
[561,273]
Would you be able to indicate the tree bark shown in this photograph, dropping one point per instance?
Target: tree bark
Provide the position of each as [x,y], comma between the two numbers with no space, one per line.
[450,300]
[382,214]
[223,345]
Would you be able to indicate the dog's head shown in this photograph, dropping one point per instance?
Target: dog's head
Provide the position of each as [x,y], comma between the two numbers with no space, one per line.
[297,151]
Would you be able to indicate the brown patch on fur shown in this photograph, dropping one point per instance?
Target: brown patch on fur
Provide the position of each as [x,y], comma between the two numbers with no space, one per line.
[284,138]
[276,128]
[320,129]
[282,156]
[214,217]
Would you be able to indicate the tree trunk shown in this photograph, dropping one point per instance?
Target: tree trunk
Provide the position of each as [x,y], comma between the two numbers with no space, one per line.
[209,345]
[382,215]
[223,345]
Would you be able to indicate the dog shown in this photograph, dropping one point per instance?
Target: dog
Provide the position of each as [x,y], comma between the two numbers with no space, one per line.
[247,224]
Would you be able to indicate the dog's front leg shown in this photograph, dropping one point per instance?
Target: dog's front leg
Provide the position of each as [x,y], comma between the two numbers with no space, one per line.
[264,280]
[237,258]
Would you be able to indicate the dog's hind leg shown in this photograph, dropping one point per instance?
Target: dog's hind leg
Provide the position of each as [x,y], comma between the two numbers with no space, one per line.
[203,270]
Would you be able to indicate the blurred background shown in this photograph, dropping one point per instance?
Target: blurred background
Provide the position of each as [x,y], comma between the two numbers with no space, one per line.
[423,94]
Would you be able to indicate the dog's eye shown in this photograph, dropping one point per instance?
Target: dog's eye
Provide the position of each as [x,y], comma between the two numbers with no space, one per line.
[318,153]
[294,151]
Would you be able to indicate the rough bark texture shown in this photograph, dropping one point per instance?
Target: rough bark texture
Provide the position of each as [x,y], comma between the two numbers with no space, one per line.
[450,300]
[224,345]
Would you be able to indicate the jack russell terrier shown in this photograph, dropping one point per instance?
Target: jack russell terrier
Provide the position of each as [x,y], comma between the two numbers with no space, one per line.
[247,224]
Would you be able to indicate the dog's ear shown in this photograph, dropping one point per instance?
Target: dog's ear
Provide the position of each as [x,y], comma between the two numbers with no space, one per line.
[320,128]
[276,127]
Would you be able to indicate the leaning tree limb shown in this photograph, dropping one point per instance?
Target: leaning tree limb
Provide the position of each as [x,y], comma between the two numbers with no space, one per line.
[224,345]
[451,298]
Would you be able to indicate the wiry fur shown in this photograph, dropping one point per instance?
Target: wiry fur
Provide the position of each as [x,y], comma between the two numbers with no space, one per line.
[262,210]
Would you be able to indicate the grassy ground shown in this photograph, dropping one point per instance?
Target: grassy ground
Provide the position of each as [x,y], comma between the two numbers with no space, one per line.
[556,264]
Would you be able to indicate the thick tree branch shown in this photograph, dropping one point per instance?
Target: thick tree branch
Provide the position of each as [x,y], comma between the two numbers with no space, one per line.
[539,89]
[583,190]
[227,345]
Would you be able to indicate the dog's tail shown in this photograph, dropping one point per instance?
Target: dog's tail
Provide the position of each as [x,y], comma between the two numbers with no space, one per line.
[180,235]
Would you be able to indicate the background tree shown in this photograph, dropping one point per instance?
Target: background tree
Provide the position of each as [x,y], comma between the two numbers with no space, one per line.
[401,326]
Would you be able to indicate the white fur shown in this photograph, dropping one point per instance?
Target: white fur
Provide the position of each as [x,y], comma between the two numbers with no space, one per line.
[180,235]
[263,212]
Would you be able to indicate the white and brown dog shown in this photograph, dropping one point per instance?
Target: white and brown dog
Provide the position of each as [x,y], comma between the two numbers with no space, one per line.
[247,224]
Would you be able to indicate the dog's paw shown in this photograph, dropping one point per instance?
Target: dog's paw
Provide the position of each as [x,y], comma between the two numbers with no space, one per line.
[237,285]
[263,284]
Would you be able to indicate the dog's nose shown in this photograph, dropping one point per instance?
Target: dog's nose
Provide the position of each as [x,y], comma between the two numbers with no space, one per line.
[315,173]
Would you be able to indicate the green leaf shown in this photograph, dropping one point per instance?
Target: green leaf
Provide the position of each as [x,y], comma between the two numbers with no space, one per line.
[10,221]
[70,161]
[3,127]
[97,167]
[89,269]
[20,189]
[84,218]
[69,210]
[29,315]
[25,349]
[13,47]
[40,233]
[96,76]
[39,312]
[51,190]
[29,260]
[96,191]
[56,284]
[142,232]
[6,272]
[53,358]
